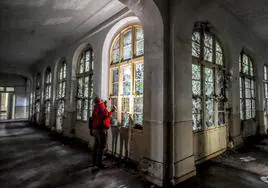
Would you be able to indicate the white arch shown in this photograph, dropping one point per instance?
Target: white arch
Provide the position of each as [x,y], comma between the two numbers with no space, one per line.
[106,49]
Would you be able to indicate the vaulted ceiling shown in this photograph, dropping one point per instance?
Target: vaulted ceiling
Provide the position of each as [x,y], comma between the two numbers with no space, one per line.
[31,28]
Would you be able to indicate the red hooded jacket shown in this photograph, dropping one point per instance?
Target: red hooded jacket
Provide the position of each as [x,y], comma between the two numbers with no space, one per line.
[101,116]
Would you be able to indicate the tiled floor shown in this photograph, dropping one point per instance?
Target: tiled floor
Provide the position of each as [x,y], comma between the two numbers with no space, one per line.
[33,158]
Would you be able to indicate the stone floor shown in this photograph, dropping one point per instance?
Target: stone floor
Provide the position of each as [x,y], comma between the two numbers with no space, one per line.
[34,158]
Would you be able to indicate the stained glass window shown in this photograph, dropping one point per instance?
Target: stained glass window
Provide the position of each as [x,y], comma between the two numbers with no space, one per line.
[48,79]
[126,76]
[265,82]
[85,85]
[247,87]
[61,92]
[208,74]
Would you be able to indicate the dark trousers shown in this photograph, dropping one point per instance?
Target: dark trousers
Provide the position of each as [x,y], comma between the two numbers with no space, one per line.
[100,137]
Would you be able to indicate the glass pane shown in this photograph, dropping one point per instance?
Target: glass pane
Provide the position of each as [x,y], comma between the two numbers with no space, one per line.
[139,87]
[139,70]
[115,89]
[196,44]
[209,113]
[64,70]
[115,75]
[127,53]
[126,88]
[209,85]
[10,89]
[248,108]
[219,59]
[196,87]
[253,109]
[61,73]
[125,105]
[196,114]
[241,109]
[116,51]
[265,72]
[2,89]
[81,65]
[126,73]
[78,109]
[220,83]
[208,54]
[59,90]
[138,119]
[248,93]
[63,90]
[250,67]
[247,83]
[125,119]
[139,41]
[114,115]
[138,104]
[80,87]
[86,85]
[196,72]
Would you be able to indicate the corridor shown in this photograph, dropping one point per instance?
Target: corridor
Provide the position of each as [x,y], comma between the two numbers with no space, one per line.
[30,157]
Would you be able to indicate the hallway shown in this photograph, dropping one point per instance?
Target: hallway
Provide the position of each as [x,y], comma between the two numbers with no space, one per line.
[31,157]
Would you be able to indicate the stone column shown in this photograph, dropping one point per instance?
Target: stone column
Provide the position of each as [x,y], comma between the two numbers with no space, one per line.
[234,122]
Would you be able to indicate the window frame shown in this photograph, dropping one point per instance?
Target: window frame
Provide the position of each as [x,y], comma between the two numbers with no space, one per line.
[265,89]
[82,76]
[132,62]
[203,64]
[47,100]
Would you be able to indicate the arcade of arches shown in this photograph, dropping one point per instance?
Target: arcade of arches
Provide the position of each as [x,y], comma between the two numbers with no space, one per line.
[208,80]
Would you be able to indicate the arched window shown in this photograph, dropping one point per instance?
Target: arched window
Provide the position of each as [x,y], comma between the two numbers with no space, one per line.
[37,97]
[265,81]
[208,83]
[85,85]
[247,87]
[47,95]
[126,75]
[61,92]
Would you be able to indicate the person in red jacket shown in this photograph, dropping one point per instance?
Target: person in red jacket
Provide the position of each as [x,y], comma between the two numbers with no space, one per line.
[99,129]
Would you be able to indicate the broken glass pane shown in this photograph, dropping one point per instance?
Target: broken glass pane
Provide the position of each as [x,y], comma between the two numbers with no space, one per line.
[220,83]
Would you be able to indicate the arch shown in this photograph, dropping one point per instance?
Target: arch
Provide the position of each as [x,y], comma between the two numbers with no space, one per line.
[106,51]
